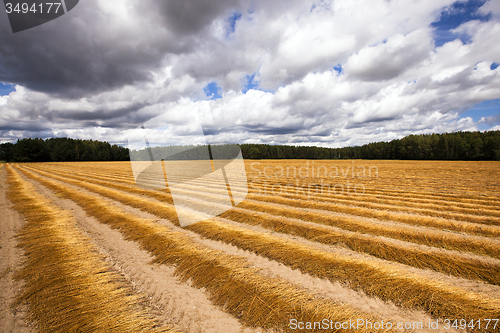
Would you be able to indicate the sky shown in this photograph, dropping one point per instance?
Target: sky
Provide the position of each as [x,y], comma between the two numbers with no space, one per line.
[323,73]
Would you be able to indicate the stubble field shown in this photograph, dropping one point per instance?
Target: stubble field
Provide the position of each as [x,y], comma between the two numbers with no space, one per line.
[348,246]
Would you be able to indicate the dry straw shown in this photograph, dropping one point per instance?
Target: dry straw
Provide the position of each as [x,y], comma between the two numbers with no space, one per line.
[68,287]
[231,283]
[366,201]
[441,262]
[449,263]
[430,237]
[383,212]
[482,216]
[372,277]
[471,213]
[303,201]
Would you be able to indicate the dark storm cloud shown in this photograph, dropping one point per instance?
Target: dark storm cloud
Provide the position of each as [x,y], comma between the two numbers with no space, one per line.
[189,17]
[98,114]
[364,123]
[88,50]
[265,129]
[30,126]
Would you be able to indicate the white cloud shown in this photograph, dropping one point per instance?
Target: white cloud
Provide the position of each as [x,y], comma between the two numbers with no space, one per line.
[394,80]
[388,60]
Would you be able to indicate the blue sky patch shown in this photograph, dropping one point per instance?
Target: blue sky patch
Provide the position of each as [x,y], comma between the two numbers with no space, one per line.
[232,22]
[338,68]
[483,109]
[6,88]
[453,16]
[213,90]
[249,83]
[493,66]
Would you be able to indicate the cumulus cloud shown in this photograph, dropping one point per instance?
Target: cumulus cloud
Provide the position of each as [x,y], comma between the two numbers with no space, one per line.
[324,73]
[390,59]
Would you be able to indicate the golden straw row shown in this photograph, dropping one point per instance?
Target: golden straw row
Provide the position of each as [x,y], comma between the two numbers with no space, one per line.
[388,188]
[466,222]
[116,170]
[124,168]
[301,202]
[445,262]
[480,214]
[68,287]
[473,213]
[323,192]
[230,281]
[441,262]
[428,237]
[374,278]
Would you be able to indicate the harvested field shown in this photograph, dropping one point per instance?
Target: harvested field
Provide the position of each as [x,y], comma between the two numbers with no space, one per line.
[413,245]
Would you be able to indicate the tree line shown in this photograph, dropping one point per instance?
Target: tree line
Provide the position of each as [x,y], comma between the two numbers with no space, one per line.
[61,150]
[468,146]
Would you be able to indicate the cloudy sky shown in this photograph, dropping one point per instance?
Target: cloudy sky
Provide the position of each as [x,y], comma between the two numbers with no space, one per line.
[301,72]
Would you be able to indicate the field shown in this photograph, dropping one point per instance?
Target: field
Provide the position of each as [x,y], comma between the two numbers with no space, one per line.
[341,245]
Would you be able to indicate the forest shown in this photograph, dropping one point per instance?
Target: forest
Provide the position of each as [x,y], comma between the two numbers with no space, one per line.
[467,146]
[61,150]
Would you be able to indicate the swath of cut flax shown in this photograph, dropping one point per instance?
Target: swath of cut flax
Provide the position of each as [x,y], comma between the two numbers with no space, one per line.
[375,279]
[68,288]
[471,214]
[256,300]
[429,237]
[446,263]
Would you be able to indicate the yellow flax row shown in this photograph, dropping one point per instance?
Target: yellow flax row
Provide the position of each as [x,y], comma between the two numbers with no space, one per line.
[374,278]
[428,237]
[415,220]
[470,213]
[68,287]
[318,193]
[230,281]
